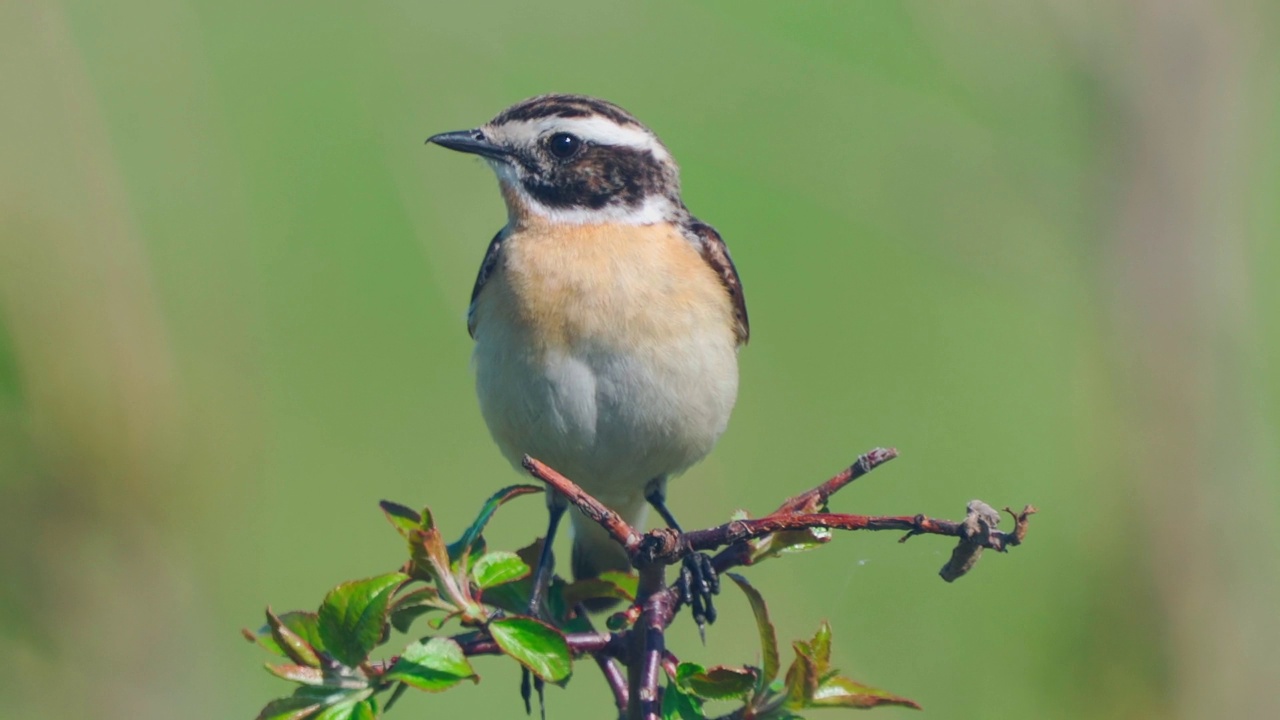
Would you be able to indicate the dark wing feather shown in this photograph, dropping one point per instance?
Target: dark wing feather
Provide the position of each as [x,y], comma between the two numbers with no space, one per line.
[716,253]
[487,267]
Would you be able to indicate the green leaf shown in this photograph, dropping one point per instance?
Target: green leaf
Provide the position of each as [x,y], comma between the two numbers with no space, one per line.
[464,544]
[365,710]
[434,666]
[403,519]
[680,705]
[351,706]
[627,581]
[768,637]
[787,542]
[354,614]
[290,708]
[610,585]
[514,596]
[498,568]
[843,692]
[716,683]
[536,645]
[412,605]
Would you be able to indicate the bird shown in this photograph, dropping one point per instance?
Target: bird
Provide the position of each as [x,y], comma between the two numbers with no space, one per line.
[606,318]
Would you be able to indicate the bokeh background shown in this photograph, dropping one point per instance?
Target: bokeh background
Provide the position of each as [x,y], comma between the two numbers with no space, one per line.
[1033,245]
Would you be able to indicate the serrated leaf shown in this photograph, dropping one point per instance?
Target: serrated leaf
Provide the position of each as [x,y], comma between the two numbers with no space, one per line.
[536,645]
[354,614]
[768,636]
[291,644]
[464,544]
[843,692]
[436,665]
[404,520]
[498,568]
[716,683]
[680,705]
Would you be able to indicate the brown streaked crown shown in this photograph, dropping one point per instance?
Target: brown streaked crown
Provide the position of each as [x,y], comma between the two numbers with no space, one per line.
[565,106]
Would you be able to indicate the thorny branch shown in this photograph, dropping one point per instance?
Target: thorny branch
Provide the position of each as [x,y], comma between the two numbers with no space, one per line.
[642,649]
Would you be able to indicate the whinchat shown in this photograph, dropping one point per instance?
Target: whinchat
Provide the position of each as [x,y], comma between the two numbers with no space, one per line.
[607,319]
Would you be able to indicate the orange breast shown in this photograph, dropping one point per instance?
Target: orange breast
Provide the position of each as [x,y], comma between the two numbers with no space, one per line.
[605,284]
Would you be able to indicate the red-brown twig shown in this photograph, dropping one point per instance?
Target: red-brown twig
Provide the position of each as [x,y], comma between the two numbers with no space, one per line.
[619,529]
[816,499]
[643,647]
[617,683]
[648,644]
[587,643]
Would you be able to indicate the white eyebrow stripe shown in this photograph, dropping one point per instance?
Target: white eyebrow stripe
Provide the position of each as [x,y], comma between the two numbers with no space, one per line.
[598,130]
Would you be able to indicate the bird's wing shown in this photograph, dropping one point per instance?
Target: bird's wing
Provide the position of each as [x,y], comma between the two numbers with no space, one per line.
[716,253]
[486,269]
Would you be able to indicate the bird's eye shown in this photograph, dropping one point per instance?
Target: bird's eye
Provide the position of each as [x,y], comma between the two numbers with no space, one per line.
[563,145]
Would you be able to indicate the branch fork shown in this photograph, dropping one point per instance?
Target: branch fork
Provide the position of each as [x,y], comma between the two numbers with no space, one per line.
[657,603]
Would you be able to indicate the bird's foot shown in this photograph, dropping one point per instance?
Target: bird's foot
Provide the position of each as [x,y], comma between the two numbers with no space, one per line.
[698,583]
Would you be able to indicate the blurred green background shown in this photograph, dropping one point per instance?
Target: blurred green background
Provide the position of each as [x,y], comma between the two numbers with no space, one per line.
[1033,245]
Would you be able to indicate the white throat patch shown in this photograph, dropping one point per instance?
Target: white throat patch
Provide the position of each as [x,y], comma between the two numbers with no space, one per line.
[654,209]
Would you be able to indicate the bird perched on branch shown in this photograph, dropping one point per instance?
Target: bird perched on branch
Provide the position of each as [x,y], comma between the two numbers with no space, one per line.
[606,317]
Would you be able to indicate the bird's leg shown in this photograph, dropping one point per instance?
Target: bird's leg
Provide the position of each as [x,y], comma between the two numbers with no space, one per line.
[542,574]
[698,578]
[556,505]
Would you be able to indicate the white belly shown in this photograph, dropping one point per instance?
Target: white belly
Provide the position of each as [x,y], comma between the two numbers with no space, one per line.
[610,421]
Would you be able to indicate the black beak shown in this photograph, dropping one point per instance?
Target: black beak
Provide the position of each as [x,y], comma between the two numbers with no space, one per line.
[469,141]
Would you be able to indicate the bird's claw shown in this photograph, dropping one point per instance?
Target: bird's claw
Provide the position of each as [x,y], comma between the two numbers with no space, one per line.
[528,686]
[698,583]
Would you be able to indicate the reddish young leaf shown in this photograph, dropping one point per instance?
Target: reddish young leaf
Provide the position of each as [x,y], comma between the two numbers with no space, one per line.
[843,692]
[290,643]
[768,637]
[718,682]
[297,673]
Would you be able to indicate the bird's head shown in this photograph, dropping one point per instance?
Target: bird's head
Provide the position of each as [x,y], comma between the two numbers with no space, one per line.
[575,159]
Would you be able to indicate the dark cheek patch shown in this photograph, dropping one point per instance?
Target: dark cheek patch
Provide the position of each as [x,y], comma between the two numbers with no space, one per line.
[602,175]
